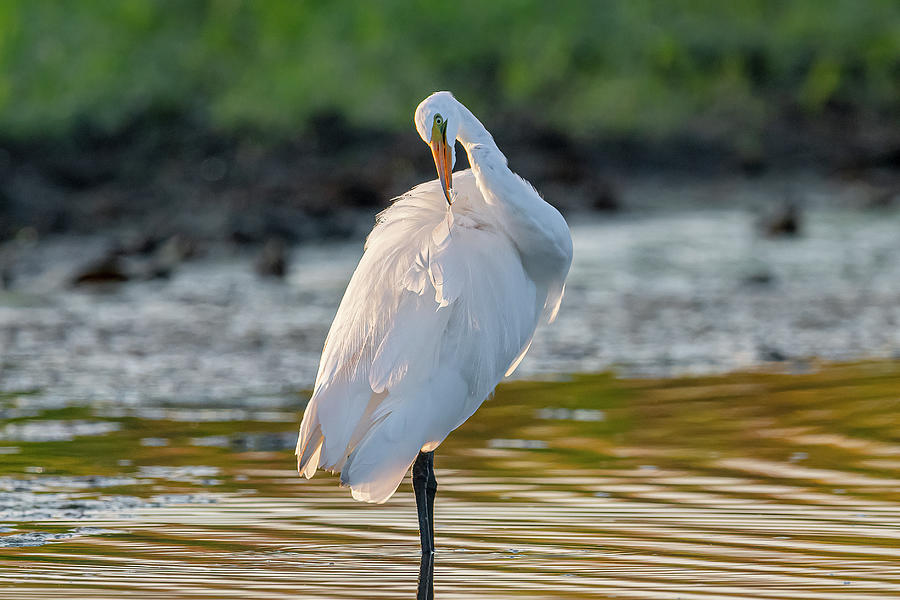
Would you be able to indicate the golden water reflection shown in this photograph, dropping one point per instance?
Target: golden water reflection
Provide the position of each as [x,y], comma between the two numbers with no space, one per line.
[766,486]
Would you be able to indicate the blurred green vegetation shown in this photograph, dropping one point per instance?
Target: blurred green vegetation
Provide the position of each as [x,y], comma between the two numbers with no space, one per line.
[640,67]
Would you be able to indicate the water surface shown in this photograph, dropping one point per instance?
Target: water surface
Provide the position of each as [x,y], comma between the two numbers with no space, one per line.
[651,292]
[753,485]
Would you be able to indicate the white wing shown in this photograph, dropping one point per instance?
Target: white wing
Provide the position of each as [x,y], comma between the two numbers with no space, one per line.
[437,311]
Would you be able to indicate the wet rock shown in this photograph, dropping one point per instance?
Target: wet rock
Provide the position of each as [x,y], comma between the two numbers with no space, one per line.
[108,269]
[166,258]
[272,260]
[784,221]
[603,195]
[246,228]
[759,278]
[771,354]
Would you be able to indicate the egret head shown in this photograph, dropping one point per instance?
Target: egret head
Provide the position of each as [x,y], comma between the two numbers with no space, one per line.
[437,121]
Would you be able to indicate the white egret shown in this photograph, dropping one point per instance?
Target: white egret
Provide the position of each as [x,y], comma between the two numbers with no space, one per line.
[455,277]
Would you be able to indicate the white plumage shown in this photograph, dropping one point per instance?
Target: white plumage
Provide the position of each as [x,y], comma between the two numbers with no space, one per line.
[443,304]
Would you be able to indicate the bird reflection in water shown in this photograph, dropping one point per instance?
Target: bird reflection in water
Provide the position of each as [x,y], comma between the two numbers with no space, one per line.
[425,590]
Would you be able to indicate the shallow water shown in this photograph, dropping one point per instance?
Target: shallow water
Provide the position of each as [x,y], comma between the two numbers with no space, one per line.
[652,292]
[754,485]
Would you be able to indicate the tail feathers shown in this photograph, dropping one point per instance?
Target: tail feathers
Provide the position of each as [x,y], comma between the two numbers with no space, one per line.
[309,451]
[378,464]
[335,458]
[308,467]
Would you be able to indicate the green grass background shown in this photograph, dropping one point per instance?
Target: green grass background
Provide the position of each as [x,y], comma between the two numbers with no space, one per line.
[642,67]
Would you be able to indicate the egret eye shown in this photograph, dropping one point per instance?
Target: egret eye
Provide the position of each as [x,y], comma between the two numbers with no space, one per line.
[438,120]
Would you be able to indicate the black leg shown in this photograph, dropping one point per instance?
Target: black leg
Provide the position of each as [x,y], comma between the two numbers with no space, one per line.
[425,486]
[431,489]
[425,590]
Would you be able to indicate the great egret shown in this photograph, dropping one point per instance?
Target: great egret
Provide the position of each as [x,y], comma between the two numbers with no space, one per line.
[455,277]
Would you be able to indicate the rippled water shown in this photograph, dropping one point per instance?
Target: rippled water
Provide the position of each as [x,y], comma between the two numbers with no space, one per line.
[749,485]
[651,292]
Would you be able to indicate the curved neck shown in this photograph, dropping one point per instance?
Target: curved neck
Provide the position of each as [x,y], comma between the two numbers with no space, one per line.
[478,142]
[535,227]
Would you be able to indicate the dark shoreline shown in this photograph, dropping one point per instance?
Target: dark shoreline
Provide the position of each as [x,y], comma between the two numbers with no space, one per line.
[168,174]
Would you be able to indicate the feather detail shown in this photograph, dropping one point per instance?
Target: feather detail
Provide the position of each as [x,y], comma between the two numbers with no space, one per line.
[439,309]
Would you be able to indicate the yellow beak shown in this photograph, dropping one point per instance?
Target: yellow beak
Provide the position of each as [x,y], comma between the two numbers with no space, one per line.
[443,163]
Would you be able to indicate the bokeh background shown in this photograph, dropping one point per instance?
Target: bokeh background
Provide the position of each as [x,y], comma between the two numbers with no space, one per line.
[114,110]
[185,185]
